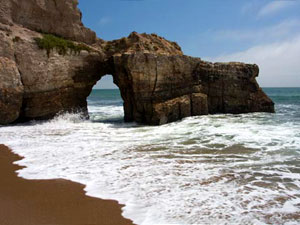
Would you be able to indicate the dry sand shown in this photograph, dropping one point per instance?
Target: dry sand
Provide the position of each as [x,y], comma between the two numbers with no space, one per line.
[49,202]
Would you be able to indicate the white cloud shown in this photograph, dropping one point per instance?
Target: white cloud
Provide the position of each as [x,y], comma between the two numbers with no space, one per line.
[282,30]
[104,20]
[274,7]
[279,62]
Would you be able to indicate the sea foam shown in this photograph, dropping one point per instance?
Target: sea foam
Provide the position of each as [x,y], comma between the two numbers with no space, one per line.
[217,169]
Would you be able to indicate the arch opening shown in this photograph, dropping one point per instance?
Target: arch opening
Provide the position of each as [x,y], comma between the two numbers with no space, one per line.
[105,103]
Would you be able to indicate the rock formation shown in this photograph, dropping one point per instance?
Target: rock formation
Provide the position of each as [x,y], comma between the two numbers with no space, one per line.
[158,89]
[58,17]
[157,82]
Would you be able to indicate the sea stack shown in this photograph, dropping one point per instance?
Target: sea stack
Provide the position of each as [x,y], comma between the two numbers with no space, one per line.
[49,63]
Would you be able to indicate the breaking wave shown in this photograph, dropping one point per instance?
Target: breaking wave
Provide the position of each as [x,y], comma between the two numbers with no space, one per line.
[216,169]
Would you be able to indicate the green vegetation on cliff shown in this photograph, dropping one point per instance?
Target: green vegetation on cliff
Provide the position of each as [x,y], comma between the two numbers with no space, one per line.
[61,45]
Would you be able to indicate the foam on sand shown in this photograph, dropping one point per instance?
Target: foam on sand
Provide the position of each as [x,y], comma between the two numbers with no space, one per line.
[242,169]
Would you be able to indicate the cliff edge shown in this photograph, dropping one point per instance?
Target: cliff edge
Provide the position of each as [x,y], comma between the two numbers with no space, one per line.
[49,63]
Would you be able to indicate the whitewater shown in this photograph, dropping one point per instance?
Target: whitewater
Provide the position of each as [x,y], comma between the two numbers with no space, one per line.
[215,169]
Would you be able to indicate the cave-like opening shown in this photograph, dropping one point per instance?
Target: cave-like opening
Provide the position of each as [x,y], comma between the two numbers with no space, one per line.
[105,103]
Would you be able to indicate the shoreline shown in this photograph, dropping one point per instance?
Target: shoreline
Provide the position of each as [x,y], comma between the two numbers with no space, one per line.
[63,202]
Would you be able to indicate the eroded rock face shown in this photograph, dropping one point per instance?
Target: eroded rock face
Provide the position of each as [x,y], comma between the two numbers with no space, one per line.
[60,17]
[159,88]
[157,82]
[11,94]
[146,43]
[35,86]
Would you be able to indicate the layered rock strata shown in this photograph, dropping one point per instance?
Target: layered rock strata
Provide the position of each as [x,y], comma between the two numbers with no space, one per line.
[158,89]
[157,82]
[58,17]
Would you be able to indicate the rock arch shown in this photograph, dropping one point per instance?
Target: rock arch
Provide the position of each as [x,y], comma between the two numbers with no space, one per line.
[158,89]
[157,82]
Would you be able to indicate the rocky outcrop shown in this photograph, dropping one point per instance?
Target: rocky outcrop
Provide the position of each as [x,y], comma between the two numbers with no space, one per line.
[34,85]
[157,82]
[11,87]
[146,43]
[50,16]
[158,89]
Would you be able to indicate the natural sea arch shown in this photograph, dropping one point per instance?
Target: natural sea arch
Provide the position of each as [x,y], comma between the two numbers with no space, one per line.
[109,79]
[105,103]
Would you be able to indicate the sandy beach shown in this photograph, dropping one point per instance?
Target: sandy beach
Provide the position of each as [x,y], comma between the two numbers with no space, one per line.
[45,202]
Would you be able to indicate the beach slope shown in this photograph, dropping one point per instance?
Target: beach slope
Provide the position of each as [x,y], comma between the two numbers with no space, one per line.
[45,202]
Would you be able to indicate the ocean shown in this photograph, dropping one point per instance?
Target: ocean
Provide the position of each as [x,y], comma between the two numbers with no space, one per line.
[215,169]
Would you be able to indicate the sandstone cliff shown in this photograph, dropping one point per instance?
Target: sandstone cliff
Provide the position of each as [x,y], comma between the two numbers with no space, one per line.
[50,16]
[157,82]
[158,89]
[146,43]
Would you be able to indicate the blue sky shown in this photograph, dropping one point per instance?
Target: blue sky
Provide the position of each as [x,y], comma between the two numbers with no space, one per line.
[264,32]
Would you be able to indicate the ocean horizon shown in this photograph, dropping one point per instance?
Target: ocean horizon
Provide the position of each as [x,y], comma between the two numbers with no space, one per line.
[213,169]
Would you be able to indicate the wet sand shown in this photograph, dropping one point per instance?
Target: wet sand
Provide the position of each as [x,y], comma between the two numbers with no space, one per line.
[49,202]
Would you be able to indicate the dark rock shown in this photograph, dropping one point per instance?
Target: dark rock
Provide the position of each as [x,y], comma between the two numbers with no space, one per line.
[160,88]
[11,91]
[199,104]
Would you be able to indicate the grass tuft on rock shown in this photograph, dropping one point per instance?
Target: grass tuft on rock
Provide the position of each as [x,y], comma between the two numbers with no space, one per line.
[61,45]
